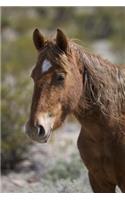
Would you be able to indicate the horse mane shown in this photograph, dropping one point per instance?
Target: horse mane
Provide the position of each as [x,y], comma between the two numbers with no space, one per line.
[105,83]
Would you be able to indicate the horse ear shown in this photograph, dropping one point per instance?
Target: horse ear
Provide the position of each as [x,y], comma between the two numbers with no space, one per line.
[38,39]
[61,41]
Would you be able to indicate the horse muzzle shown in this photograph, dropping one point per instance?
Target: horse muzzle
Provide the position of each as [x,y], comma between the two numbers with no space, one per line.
[41,130]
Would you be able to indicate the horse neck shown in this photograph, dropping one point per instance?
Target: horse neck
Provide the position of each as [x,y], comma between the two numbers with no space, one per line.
[85,104]
[101,80]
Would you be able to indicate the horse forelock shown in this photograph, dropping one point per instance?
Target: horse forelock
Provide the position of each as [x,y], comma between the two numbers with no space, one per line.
[53,55]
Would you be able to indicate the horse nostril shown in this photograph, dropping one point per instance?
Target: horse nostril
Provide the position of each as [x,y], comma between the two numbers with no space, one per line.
[41,130]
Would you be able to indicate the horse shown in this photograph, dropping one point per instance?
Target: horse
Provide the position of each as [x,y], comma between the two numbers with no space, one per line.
[70,80]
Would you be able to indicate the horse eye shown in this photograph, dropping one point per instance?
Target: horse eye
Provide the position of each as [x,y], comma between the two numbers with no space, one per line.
[60,77]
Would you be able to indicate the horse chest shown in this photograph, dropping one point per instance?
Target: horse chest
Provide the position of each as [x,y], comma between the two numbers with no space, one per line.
[95,150]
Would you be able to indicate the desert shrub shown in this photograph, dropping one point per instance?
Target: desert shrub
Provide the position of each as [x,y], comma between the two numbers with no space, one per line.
[14,143]
[16,93]
[65,170]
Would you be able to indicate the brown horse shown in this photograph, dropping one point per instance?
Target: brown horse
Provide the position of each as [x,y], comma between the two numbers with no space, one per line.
[67,79]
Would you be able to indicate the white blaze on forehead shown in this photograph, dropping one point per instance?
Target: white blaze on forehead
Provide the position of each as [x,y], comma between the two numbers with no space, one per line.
[46,65]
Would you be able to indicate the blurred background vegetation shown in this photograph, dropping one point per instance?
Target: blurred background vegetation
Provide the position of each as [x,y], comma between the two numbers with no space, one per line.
[87,24]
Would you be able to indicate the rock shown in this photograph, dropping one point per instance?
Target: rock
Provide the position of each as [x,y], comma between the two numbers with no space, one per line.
[18,182]
[33,179]
[24,166]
